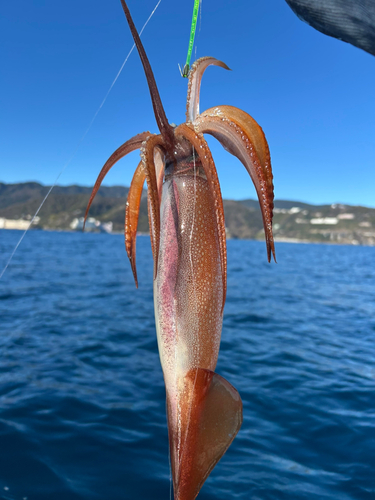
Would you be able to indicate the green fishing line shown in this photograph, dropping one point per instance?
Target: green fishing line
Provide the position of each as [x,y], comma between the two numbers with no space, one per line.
[191,41]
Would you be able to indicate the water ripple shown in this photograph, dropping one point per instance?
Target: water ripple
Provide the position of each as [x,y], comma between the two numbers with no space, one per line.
[82,400]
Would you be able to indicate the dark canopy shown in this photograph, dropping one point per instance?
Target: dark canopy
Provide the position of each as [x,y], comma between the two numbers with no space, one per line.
[352,21]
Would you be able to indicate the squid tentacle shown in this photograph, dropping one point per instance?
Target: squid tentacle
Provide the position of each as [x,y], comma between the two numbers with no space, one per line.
[128,146]
[197,140]
[147,155]
[132,215]
[194,84]
[237,132]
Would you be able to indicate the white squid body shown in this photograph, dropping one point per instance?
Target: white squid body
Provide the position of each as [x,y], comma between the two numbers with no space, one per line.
[204,410]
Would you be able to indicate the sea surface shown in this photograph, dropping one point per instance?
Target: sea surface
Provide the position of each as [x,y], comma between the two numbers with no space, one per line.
[82,401]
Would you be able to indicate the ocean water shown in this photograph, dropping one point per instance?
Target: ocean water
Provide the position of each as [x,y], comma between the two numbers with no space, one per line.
[82,402]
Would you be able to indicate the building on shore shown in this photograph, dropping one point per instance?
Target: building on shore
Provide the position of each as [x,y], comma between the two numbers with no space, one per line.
[92,224]
[22,224]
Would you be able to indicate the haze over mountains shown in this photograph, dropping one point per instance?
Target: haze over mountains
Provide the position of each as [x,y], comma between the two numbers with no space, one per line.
[293,220]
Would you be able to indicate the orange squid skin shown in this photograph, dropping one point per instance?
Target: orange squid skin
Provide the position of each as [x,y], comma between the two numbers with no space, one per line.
[187,231]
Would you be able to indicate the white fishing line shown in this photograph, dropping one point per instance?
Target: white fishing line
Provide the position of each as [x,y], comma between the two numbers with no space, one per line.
[76,148]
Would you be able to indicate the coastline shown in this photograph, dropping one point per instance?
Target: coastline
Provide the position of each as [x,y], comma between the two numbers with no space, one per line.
[278,239]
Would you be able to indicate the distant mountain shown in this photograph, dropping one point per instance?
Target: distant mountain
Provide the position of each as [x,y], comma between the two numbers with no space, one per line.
[20,201]
[279,204]
[293,220]
[20,193]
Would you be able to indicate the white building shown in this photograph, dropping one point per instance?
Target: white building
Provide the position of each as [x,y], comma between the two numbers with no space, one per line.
[91,224]
[17,223]
[330,221]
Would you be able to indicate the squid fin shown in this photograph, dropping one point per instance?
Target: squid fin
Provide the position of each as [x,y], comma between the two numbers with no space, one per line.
[208,428]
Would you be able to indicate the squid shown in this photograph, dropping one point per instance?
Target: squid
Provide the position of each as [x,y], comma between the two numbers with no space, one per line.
[188,240]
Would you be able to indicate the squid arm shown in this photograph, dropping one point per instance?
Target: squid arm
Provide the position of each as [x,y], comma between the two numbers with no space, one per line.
[133,205]
[194,84]
[132,214]
[165,128]
[147,155]
[240,134]
[128,146]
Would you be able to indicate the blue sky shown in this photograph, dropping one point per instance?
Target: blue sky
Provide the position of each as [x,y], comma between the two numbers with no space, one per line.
[313,95]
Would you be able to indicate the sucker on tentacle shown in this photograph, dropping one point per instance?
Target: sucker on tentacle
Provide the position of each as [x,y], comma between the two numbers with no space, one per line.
[188,239]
